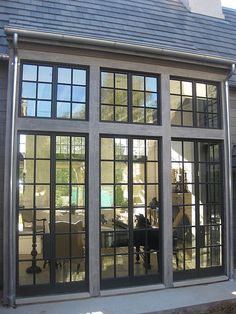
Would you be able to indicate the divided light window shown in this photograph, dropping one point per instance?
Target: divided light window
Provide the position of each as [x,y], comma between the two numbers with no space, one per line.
[194,104]
[129,97]
[53,92]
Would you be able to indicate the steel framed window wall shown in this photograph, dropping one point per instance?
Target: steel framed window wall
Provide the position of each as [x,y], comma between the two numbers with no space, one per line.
[49,259]
[47,92]
[195,103]
[207,244]
[137,102]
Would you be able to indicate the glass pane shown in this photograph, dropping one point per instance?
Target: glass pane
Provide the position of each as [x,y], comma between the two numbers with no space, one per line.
[63,110]
[107,79]
[151,100]
[187,118]
[107,96]
[79,94]
[25,221]
[107,267]
[79,77]
[211,91]
[63,92]
[44,91]
[152,191]
[62,245]
[121,193]
[152,149]
[121,114]
[78,195]
[138,99]
[121,174]
[187,103]
[121,97]
[78,148]
[121,148]
[107,149]
[43,146]
[78,111]
[62,147]
[137,82]
[138,173]
[202,105]
[151,116]
[25,279]
[138,115]
[121,81]
[175,118]
[44,109]
[78,172]
[176,151]
[201,90]
[107,113]
[187,88]
[28,90]
[138,195]
[139,149]
[64,75]
[151,84]
[26,171]
[175,102]
[29,72]
[188,151]
[62,196]
[174,87]
[107,196]
[42,196]
[107,172]
[28,107]
[45,74]
[42,171]
[152,172]
[26,198]
[62,172]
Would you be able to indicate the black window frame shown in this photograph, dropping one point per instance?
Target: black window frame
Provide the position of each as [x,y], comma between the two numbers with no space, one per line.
[199,271]
[54,84]
[53,287]
[194,111]
[130,106]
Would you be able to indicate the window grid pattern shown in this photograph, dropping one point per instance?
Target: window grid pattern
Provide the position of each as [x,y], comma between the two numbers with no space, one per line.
[127,97]
[129,182]
[194,104]
[54,92]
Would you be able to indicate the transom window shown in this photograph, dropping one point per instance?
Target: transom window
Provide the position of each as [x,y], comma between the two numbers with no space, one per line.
[127,97]
[53,92]
[194,104]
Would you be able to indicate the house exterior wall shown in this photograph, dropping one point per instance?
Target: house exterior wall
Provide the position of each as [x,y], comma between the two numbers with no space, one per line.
[95,61]
[3,102]
[232,96]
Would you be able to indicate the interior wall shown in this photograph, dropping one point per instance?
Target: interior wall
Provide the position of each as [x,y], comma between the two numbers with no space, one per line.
[3,102]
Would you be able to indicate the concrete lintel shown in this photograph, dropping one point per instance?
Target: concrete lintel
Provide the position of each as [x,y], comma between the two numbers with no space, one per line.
[197,133]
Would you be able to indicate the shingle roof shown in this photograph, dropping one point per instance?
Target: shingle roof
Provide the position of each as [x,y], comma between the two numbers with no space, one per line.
[158,23]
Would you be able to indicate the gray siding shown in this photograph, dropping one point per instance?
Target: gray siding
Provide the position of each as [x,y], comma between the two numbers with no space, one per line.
[3,101]
[233,138]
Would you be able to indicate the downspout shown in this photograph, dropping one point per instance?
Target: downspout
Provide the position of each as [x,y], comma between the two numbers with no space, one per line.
[10,294]
[228,171]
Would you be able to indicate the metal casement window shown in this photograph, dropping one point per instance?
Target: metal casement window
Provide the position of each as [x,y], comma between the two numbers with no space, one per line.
[129,97]
[198,208]
[195,103]
[52,232]
[53,91]
[129,181]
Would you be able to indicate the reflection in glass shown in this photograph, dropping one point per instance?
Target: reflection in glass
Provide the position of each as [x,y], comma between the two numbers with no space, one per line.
[29,72]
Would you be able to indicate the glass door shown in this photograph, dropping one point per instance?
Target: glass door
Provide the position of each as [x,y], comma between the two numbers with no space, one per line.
[51,211]
[130,211]
[198,211]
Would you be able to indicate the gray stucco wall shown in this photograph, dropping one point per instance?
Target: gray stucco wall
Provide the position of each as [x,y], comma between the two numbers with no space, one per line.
[3,101]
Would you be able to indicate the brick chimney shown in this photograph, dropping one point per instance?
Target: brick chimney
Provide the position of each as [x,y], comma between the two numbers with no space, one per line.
[211,8]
